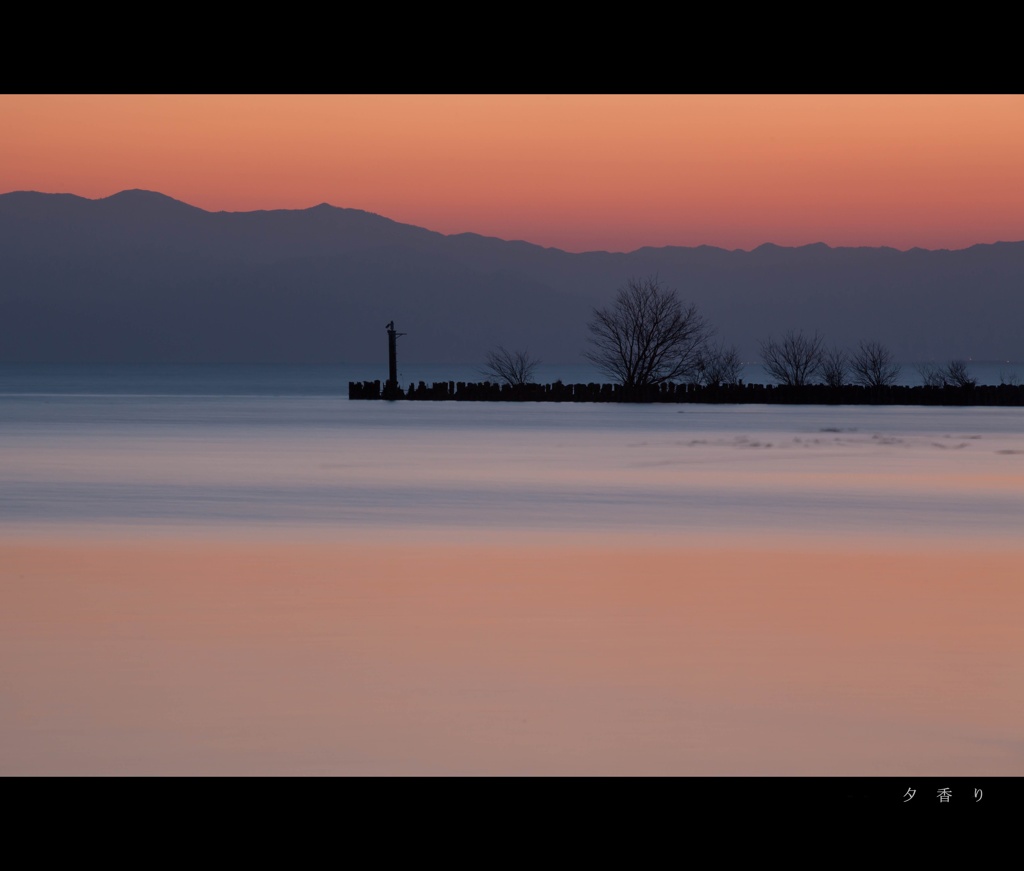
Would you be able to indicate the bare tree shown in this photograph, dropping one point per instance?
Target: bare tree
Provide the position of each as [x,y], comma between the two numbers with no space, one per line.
[510,367]
[646,336]
[835,367]
[795,359]
[718,365]
[930,375]
[956,375]
[873,365]
[953,374]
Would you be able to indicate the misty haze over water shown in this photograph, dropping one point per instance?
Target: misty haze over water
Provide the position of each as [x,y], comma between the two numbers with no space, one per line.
[230,379]
[284,444]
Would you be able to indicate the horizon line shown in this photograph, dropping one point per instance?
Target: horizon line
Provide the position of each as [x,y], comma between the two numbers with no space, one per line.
[766,244]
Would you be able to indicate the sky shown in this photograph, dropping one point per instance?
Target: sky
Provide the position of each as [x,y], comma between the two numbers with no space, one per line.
[580,172]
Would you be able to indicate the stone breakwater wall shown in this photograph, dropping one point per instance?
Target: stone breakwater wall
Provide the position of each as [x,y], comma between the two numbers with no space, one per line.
[813,394]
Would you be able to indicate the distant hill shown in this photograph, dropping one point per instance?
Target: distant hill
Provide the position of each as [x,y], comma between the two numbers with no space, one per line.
[139,276]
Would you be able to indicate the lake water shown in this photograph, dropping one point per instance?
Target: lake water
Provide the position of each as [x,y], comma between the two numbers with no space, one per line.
[236,570]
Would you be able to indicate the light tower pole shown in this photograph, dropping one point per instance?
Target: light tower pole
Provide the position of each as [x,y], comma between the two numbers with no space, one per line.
[391,390]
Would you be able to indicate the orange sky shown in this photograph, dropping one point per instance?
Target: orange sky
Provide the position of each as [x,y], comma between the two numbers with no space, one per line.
[578,172]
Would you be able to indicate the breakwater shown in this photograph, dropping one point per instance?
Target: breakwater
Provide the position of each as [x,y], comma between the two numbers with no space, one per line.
[812,394]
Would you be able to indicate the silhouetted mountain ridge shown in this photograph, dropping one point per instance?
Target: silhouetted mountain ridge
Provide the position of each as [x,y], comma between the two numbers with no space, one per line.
[142,276]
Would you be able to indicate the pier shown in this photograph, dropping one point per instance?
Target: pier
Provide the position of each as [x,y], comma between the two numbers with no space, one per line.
[768,394]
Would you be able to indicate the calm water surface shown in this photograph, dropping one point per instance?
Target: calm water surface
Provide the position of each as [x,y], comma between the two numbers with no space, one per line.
[221,571]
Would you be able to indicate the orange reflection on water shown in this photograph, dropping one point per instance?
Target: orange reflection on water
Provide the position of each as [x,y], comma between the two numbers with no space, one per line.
[185,655]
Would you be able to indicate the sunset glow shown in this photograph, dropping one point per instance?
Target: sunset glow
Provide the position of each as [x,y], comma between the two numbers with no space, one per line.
[583,658]
[231,544]
[577,172]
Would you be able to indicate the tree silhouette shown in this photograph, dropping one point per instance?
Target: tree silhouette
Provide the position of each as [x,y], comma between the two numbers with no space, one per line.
[793,360]
[873,365]
[835,365]
[718,365]
[511,367]
[930,375]
[955,374]
[646,336]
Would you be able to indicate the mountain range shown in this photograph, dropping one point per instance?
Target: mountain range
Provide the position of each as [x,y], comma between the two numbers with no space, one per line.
[141,277]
